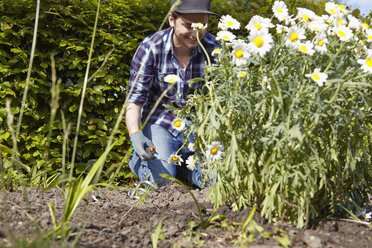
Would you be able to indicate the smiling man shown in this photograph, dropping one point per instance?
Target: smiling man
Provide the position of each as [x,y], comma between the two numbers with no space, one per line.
[175,53]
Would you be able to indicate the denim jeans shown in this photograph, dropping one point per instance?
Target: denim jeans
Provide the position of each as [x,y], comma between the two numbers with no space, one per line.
[166,144]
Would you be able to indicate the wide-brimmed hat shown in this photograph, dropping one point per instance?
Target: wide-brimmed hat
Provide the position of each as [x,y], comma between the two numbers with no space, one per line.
[193,7]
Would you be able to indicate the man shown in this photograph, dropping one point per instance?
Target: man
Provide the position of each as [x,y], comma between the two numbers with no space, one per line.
[174,51]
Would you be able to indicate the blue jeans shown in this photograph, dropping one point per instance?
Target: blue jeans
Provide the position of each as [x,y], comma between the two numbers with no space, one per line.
[166,144]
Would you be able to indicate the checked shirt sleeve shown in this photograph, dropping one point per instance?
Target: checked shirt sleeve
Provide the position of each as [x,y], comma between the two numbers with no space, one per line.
[141,74]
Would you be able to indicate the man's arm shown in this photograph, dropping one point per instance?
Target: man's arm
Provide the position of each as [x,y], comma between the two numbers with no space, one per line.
[133,117]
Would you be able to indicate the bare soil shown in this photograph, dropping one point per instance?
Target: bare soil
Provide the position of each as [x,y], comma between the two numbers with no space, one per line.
[109,218]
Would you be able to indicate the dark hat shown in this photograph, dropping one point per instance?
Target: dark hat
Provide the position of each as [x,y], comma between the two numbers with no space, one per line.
[193,7]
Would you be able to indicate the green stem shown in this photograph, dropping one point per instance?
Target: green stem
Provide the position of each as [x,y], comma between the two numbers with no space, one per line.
[29,69]
[202,47]
[83,92]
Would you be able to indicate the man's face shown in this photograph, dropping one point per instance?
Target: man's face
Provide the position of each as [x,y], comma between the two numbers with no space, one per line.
[184,36]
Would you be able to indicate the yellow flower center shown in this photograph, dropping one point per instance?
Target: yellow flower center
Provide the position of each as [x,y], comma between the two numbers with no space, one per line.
[340,22]
[229,23]
[175,158]
[177,123]
[214,150]
[316,76]
[242,74]
[320,43]
[370,37]
[225,37]
[258,41]
[171,80]
[239,53]
[293,37]
[258,26]
[365,25]
[305,17]
[332,11]
[279,10]
[369,62]
[341,33]
[303,48]
[341,6]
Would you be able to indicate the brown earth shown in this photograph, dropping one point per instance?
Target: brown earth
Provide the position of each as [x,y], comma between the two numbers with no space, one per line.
[109,218]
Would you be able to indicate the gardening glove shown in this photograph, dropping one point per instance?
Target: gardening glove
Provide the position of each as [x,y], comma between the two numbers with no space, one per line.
[143,146]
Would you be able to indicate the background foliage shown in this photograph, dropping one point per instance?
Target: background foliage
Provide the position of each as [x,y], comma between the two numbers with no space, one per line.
[65,29]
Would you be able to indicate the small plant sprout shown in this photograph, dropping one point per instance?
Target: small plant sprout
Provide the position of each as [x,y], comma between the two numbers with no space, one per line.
[214,151]
[178,124]
[226,36]
[172,79]
[280,10]
[227,22]
[260,42]
[199,26]
[175,159]
[366,63]
[318,77]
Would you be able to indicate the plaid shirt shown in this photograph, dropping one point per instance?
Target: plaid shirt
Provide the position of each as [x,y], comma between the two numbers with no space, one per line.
[156,57]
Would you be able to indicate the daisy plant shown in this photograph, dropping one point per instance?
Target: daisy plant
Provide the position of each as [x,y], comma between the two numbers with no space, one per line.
[285,115]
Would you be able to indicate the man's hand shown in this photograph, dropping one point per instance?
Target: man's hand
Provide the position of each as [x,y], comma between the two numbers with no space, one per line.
[143,146]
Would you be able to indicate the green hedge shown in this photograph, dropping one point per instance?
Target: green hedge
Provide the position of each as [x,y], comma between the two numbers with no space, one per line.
[65,30]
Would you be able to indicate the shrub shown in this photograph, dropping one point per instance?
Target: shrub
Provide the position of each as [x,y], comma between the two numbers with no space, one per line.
[286,119]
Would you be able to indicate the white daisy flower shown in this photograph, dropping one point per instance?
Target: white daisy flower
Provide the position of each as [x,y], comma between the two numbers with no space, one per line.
[364,27]
[242,74]
[222,26]
[191,163]
[239,52]
[280,10]
[305,15]
[175,159]
[321,42]
[341,10]
[306,48]
[317,26]
[318,77]
[214,151]
[340,21]
[331,8]
[216,52]
[369,35]
[265,82]
[281,29]
[344,33]
[366,63]
[294,35]
[199,26]
[225,36]
[353,22]
[191,146]
[178,124]
[260,42]
[172,78]
[229,22]
[257,23]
